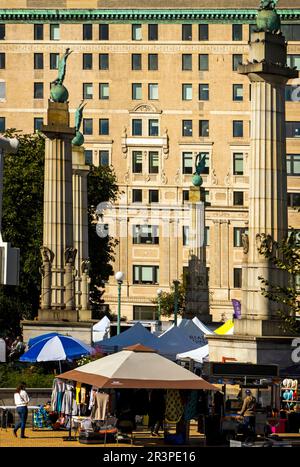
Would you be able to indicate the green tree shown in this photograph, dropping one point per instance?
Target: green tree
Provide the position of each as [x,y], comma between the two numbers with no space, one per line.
[167,300]
[22,225]
[285,256]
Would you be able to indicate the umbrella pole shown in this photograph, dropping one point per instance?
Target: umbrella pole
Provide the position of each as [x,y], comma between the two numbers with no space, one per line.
[59,363]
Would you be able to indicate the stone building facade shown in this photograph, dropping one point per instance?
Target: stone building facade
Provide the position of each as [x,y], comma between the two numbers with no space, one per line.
[161,86]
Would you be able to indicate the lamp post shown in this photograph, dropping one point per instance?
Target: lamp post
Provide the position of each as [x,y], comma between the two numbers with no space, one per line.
[159,292]
[176,283]
[119,276]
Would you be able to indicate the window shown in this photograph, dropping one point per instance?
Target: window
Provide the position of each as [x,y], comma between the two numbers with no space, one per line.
[291,31]
[187,128]
[104,158]
[144,313]
[103,32]
[237,32]
[185,195]
[204,128]
[187,163]
[293,200]
[206,236]
[203,62]
[87,32]
[136,32]
[103,126]
[145,234]
[185,235]
[292,93]
[237,278]
[137,127]
[203,92]
[137,195]
[2,32]
[87,126]
[187,92]
[238,163]
[152,62]
[238,198]
[2,61]
[2,90]
[206,168]
[238,128]
[38,32]
[152,32]
[38,59]
[206,196]
[88,156]
[187,62]
[103,91]
[54,32]
[237,92]
[237,236]
[87,61]
[203,32]
[54,59]
[103,61]
[2,124]
[87,90]
[145,274]
[293,61]
[292,129]
[38,91]
[136,91]
[187,32]
[153,91]
[237,59]
[153,196]
[137,162]
[153,127]
[293,164]
[37,123]
[153,162]
[136,61]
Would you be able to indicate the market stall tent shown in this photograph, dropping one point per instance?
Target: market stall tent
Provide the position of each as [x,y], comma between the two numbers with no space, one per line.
[136,367]
[187,336]
[198,354]
[101,329]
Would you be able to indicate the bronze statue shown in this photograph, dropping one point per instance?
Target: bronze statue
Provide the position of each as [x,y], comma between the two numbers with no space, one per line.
[62,67]
[268,4]
[78,115]
[200,164]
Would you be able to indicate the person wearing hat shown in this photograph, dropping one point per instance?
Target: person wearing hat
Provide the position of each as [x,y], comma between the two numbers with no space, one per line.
[248,410]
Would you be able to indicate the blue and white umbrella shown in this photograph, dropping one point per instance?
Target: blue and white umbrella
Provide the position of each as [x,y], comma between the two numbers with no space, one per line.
[56,348]
[36,339]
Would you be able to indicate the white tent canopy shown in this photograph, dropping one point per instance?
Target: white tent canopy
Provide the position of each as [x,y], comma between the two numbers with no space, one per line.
[100,329]
[197,354]
[202,326]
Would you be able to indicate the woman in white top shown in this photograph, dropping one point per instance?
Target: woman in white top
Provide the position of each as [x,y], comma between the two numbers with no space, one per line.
[21,402]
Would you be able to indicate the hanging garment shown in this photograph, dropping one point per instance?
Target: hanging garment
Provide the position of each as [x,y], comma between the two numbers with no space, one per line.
[174,406]
[92,398]
[78,390]
[58,389]
[100,406]
[67,401]
[191,407]
[83,395]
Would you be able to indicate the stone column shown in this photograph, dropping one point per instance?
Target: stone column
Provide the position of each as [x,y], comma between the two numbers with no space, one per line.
[268,75]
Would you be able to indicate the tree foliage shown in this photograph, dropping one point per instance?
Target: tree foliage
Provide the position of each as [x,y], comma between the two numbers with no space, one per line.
[286,257]
[167,300]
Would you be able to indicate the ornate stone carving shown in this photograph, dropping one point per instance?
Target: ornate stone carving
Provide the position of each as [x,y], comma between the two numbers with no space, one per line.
[214,179]
[227,179]
[245,243]
[147,178]
[47,254]
[264,243]
[177,176]
[126,177]
[85,266]
[124,142]
[163,178]
[70,255]
[166,143]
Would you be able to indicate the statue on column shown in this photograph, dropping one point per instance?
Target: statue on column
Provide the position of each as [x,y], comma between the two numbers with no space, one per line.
[267,18]
[78,139]
[62,67]
[59,92]
[70,255]
[199,169]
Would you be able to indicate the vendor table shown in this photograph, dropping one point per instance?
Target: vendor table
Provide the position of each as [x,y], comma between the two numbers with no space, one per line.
[6,408]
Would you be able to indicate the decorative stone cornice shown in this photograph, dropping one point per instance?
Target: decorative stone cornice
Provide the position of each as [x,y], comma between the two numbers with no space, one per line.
[117,16]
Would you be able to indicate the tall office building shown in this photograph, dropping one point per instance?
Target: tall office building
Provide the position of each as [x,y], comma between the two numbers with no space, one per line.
[162,86]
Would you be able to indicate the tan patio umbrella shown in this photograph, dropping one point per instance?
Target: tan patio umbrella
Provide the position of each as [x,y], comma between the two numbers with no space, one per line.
[136,367]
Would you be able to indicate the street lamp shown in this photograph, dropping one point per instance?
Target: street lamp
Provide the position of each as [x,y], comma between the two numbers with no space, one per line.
[119,276]
[159,292]
[176,283]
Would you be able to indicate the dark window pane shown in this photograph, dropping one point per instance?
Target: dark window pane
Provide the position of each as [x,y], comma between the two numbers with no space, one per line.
[2,60]
[187,61]
[237,32]
[203,92]
[185,195]
[153,91]
[152,32]
[136,32]
[54,32]
[136,91]
[203,62]
[103,61]
[293,164]
[54,59]
[38,90]
[238,198]
[137,127]
[38,32]
[294,200]
[237,59]
[153,196]
[152,62]
[292,93]
[237,278]
[238,163]
[187,92]
[87,126]
[187,163]
[238,92]
[145,234]
[203,32]
[87,90]
[153,127]
[87,32]
[293,61]
[291,31]
[238,128]
[137,162]
[38,61]
[206,168]
[104,91]
[104,158]
[237,236]
[2,32]
[137,196]
[88,156]
[136,61]
[153,162]
[293,129]
[87,61]
[187,32]
[103,32]
[204,128]
[103,126]
[187,128]
[37,123]
[2,124]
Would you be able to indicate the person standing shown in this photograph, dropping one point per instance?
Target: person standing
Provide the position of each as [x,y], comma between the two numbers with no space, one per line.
[21,401]
[248,411]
